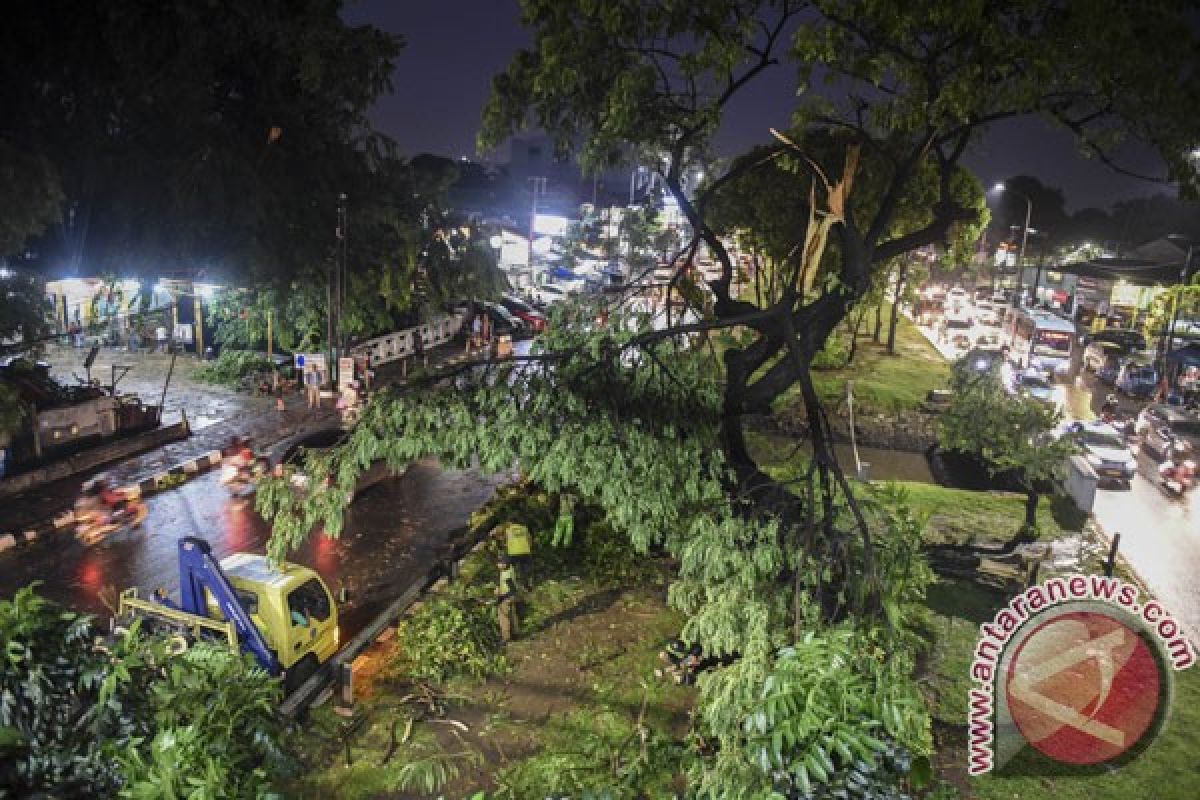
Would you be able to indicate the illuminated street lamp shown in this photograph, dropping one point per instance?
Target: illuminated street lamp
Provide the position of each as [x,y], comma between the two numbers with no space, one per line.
[1000,187]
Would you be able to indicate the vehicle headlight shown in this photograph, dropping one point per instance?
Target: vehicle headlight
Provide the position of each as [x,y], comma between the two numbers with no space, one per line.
[1131,464]
[1094,459]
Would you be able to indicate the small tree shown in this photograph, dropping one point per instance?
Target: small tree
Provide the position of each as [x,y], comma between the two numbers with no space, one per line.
[1006,433]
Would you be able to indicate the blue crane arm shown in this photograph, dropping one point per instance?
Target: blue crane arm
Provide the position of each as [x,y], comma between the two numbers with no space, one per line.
[199,570]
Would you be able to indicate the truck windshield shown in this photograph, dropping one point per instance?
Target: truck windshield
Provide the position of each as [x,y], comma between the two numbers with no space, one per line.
[1052,343]
[309,601]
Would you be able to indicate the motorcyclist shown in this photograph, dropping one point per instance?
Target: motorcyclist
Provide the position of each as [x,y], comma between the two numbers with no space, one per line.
[1108,411]
[1179,467]
[98,501]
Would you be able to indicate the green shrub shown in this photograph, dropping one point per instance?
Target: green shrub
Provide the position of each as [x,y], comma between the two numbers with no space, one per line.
[603,756]
[450,636]
[593,549]
[834,355]
[232,366]
[128,719]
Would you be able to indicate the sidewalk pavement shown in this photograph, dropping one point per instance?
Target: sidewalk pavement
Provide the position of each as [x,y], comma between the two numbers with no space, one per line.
[246,415]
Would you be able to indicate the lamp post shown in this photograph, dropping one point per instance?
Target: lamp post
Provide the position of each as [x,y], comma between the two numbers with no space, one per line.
[1000,187]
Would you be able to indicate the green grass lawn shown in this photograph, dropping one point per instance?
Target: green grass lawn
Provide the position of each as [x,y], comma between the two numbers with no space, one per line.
[959,515]
[884,383]
[955,515]
[1167,770]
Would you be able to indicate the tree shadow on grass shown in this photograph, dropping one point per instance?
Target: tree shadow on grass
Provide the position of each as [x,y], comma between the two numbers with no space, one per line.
[597,601]
[963,599]
[1066,513]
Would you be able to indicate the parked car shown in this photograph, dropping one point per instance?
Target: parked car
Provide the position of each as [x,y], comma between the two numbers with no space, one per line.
[1033,383]
[504,323]
[1129,339]
[1106,451]
[1159,425]
[293,457]
[985,362]
[988,339]
[548,294]
[1104,359]
[957,331]
[525,312]
[1136,378]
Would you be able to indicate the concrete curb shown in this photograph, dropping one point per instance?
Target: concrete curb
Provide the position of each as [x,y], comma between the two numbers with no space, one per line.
[159,481]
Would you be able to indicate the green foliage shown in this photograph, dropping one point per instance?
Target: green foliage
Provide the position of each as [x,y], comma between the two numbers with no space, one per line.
[602,756]
[1008,432]
[450,636]
[30,197]
[232,366]
[387,756]
[834,355]
[25,315]
[267,124]
[47,662]
[129,719]
[216,730]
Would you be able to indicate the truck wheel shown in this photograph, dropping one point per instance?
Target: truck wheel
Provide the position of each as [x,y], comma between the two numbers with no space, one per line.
[299,674]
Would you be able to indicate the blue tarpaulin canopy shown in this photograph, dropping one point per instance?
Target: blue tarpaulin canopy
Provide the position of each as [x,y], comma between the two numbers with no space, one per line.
[564,274]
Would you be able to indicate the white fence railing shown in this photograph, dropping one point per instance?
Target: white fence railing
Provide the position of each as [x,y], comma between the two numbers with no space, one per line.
[401,344]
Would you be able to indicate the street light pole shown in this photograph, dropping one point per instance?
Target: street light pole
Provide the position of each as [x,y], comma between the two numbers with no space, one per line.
[1021,254]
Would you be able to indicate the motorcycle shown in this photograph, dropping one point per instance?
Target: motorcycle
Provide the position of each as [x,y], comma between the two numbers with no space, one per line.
[242,479]
[94,523]
[1175,477]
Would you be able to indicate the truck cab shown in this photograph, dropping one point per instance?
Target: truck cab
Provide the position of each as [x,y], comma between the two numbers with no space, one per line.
[289,604]
[283,614]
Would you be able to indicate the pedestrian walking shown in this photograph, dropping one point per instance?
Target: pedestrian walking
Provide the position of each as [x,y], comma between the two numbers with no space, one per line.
[506,599]
[476,337]
[312,386]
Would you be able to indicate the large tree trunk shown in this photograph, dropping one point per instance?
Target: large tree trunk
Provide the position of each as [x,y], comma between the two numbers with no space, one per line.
[1031,505]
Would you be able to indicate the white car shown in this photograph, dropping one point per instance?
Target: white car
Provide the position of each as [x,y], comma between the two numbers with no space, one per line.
[1107,451]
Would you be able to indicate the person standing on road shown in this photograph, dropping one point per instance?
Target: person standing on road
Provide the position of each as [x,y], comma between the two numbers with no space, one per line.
[506,599]
[160,336]
[312,386]
[419,356]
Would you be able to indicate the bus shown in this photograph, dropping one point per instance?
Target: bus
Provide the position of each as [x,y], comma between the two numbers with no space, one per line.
[1039,340]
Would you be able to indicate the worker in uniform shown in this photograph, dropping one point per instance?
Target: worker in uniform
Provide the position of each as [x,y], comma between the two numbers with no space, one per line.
[506,598]
[518,543]
[564,526]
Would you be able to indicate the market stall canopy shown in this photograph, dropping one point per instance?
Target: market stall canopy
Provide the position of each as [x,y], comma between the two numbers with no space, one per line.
[1132,271]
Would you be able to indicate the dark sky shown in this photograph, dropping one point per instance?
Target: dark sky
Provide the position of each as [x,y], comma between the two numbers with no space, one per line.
[454,47]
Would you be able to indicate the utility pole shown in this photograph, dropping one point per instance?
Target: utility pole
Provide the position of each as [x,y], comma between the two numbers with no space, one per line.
[343,275]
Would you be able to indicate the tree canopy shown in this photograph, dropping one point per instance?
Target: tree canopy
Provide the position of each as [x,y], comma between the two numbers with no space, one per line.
[215,135]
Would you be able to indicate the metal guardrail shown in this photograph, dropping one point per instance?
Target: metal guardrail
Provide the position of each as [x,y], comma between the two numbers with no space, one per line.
[445,569]
[401,344]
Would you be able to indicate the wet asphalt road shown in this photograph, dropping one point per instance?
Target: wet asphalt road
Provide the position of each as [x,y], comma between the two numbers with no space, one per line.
[1160,533]
[393,531]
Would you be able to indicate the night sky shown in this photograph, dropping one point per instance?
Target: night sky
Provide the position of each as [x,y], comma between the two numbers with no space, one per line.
[454,47]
